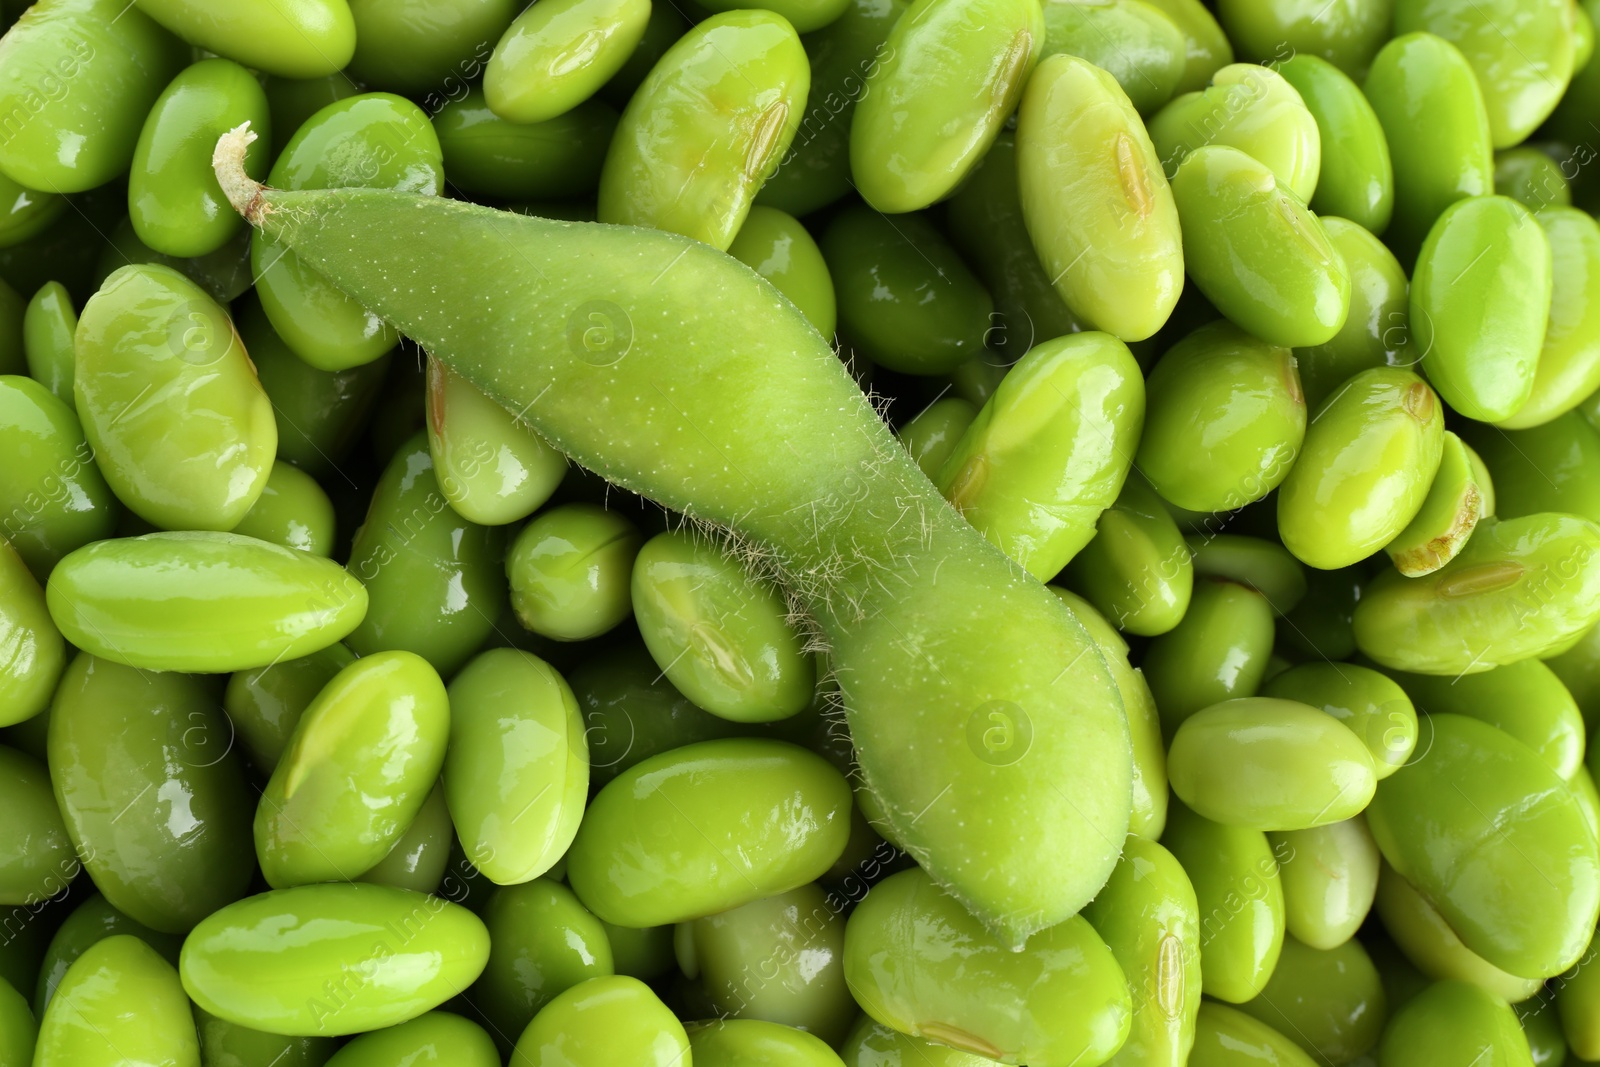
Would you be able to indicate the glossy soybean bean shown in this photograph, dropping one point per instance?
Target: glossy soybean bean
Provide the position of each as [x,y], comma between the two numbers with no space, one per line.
[1137,44]
[225,1044]
[1449,514]
[542,943]
[26,213]
[605,1020]
[732,1042]
[203,602]
[37,861]
[291,511]
[1455,1022]
[293,100]
[776,246]
[1433,947]
[53,498]
[871,1044]
[1530,176]
[1370,705]
[1328,1001]
[294,39]
[437,1037]
[1577,999]
[419,859]
[1356,179]
[1224,1036]
[559,158]
[32,653]
[1219,651]
[1136,570]
[932,434]
[570,570]
[1541,1026]
[265,962]
[48,327]
[1551,467]
[1330,876]
[1569,360]
[554,58]
[1262,565]
[119,1003]
[1346,34]
[92,921]
[426,48]
[1207,49]
[492,468]
[264,704]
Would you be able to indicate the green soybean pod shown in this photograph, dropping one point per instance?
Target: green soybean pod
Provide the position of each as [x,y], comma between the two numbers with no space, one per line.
[121,742]
[776,246]
[1240,897]
[731,90]
[1095,201]
[37,860]
[92,921]
[1577,1000]
[418,860]
[26,213]
[1521,588]
[1430,818]
[371,140]
[1135,42]
[952,72]
[733,1042]
[542,942]
[1328,1001]
[1550,467]
[288,38]
[1431,109]
[1257,252]
[174,201]
[1345,35]
[1137,569]
[226,1044]
[570,570]
[1480,300]
[721,636]
[794,941]
[1262,565]
[432,578]
[119,1003]
[555,57]
[1370,704]
[932,434]
[782,826]
[517,770]
[76,80]
[1251,108]
[32,653]
[1148,916]
[1224,1036]
[1449,514]
[611,1019]
[1225,419]
[1531,177]
[1330,876]
[1568,367]
[434,1038]
[1219,651]
[493,468]
[1369,459]
[1356,181]
[264,962]
[357,769]
[1062,997]
[1050,450]
[1206,48]
[264,704]
[48,327]
[559,158]
[426,48]
[1455,1022]
[871,1044]
[202,602]
[291,511]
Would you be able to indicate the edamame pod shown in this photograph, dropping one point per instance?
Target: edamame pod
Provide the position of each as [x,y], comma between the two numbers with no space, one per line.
[1346,34]
[1256,251]
[32,653]
[291,511]
[517,769]
[1328,1001]
[1330,876]
[264,704]
[1433,948]
[732,1042]
[48,327]
[430,1040]
[612,1019]
[1370,457]
[91,922]
[542,942]
[776,246]
[1371,705]
[1138,45]
[1136,570]
[202,602]
[124,741]
[289,38]
[492,468]
[1356,180]
[732,90]
[558,158]
[1224,1035]
[1569,362]
[266,961]
[1219,651]
[119,1003]
[952,72]
[1095,202]
[932,434]
[570,570]
[1050,450]
[357,769]
[554,58]
[37,860]
[1479,810]
[1480,300]
[1455,1022]
[1449,514]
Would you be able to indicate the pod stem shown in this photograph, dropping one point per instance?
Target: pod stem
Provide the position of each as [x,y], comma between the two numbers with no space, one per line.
[242,191]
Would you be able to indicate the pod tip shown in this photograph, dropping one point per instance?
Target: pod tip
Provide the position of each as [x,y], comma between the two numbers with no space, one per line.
[242,191]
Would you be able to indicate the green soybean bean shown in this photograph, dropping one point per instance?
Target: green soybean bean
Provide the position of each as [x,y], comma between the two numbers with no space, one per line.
[370,140]
[48,327]
[794,942]
[356,771]
[1330,876]
[1226,1036]
[203,602]
[681,804]
[1371,705]
[1356,180]
[1540,1025]
[26,213]
[1136,43]
[492,468]
[1579,670]
[427,48]
[1240,897]
[1149,918]
[1095,201]
[542,942]
[517,769]
[552,59]
[1583,788]
[732,89]
[418,860]
[437,1037]
[906,300]
[92,921]
[1207,49]
[1375,332]
[264,961]
[32,653]
[1433,117]
[721,637]
[1257,252]
[1480,474]
[1480,343]
[569,571]
[18,1031]
[264,704]
[1577,999]
[1062,997]
[77,78]
[224,274]
[1345,35]
[119,1003]
[931,436]
[1455,1022]
[733,1042]
[296,39]
[1370,456]
[1449,514]
[555,159]
[606,1020]
[291,511]
[1265,566]
[174,201]
[1569,361]
[1521,54]
[1050,450]
[294,100]
[776,246]
[1531,177]
[1253,109]
[1521,588]
[1544,468]
[170,402]
[1136,570]
[871,1044]
[1433,821]
[225,1044]
[37,860]
[951,74]
[1219,651]
[123,741]
[1328,1001]
[433,578]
